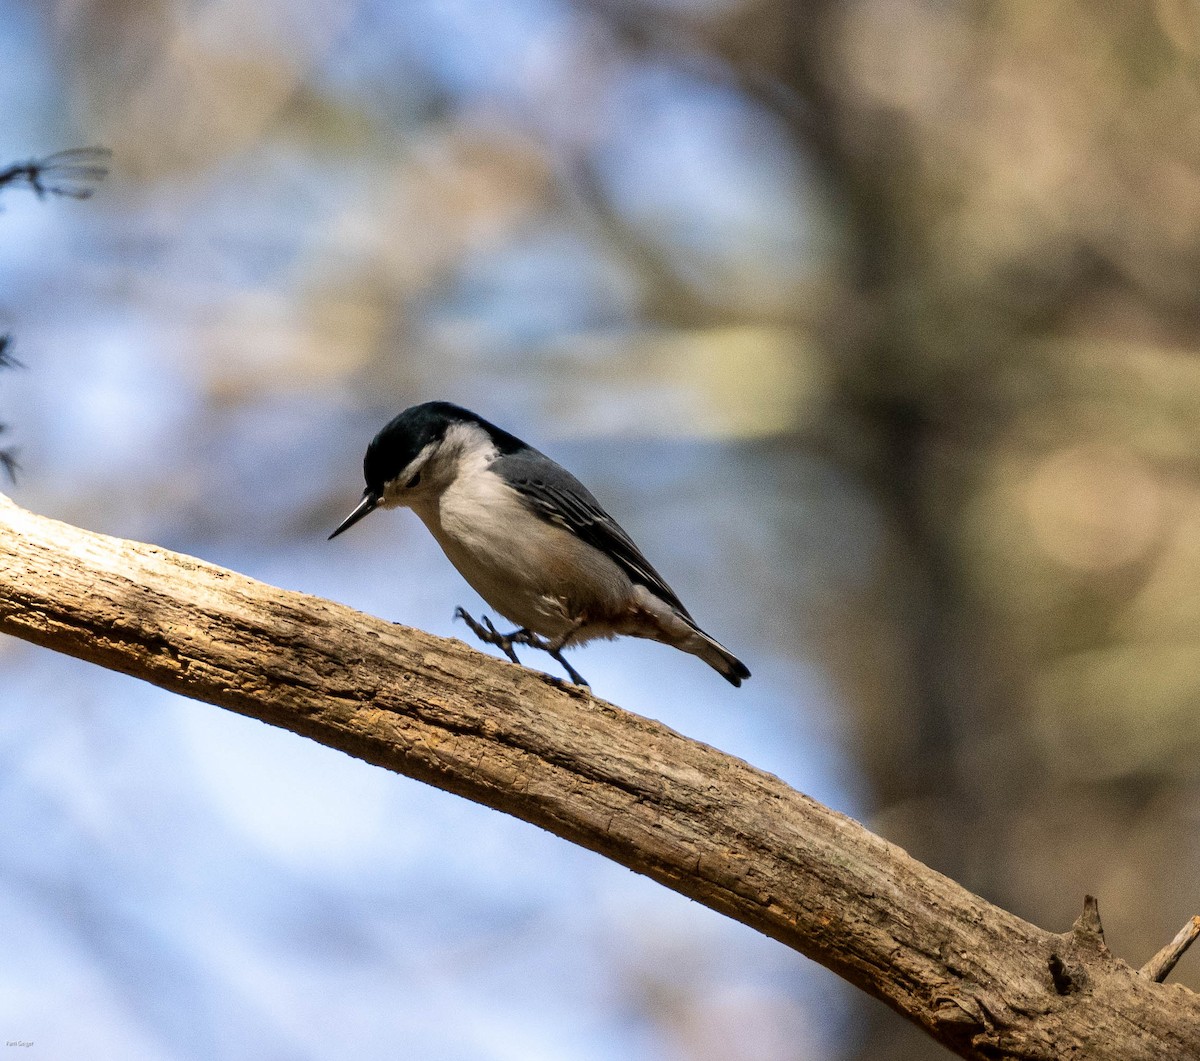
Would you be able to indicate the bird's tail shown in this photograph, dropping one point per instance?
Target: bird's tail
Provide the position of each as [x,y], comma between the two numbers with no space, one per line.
[717,656]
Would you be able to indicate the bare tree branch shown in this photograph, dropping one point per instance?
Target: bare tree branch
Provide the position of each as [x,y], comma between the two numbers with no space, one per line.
[71,174]
[977,978]
[1159,967]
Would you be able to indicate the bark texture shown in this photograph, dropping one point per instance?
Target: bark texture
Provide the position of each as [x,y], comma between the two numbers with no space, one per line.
[979,979]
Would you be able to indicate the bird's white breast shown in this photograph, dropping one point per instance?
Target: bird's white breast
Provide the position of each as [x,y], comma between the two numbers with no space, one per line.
[536,574]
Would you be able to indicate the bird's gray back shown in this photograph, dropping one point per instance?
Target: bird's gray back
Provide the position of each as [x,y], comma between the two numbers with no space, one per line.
[555,494]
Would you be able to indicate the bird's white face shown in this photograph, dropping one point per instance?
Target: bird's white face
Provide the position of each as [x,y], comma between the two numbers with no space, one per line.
[462,450]
[412,481]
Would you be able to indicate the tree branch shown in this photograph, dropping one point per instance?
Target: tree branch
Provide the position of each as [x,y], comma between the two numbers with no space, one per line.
[1159,967]
[978,979]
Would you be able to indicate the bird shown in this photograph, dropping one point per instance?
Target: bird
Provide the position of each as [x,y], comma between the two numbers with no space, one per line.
[527,536]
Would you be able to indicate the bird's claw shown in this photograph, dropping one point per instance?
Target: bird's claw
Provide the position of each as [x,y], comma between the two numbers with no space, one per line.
[489,635]
[552,648]
[575,676]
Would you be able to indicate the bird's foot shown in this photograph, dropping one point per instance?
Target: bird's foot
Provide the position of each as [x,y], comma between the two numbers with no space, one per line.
[551,648]
[489,635]
[572,673]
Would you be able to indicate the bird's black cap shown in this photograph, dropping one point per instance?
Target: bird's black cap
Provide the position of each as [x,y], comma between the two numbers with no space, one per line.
[402,438]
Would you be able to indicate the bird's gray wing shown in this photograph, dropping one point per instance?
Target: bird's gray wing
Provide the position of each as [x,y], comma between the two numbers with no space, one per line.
[556,495]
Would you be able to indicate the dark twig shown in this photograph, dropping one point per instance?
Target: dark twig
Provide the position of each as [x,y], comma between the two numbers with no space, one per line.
[1159,967]
[71,174]
[6,358]
[8,461]
[8,457]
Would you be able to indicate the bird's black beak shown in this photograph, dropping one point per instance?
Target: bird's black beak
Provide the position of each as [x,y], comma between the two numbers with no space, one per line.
[367,505]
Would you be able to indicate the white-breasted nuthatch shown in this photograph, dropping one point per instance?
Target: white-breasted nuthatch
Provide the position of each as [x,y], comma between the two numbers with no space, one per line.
[528,536]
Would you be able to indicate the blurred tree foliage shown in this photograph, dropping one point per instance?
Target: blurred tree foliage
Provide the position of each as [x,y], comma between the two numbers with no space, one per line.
[1011,327]
[1014,338]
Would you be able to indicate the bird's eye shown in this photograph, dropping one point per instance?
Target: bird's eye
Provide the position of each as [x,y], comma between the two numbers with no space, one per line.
[414,481]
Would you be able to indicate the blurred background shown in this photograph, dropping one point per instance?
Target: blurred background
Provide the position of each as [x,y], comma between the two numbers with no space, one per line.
[874,322]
